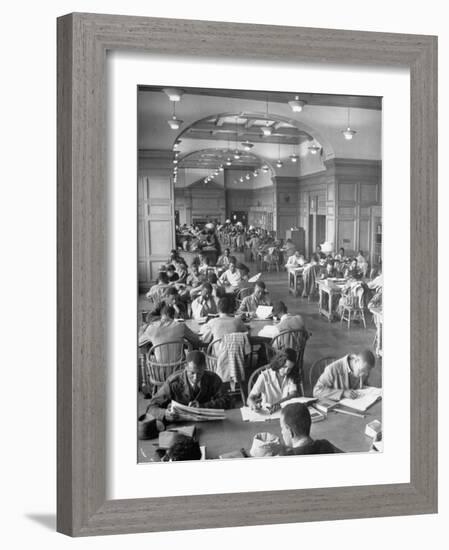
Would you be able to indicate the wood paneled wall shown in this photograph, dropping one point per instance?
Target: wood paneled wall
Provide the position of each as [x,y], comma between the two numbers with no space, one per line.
[200,202]
[358,190]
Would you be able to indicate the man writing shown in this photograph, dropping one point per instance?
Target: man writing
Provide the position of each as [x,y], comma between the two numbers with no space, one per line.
[205,303]
[259,297]
[193,386]
[343,377]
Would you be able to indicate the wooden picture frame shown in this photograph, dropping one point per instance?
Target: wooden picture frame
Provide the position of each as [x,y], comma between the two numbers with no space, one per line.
[83,40]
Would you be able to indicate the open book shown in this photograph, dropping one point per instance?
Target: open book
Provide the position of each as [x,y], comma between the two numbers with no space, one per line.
[365,398]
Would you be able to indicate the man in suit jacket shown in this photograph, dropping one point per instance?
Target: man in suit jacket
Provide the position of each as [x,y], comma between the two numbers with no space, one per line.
[193,386]
[287,321]
[259,297]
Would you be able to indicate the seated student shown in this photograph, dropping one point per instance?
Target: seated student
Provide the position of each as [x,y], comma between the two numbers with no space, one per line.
[244,272]
[339,269]
[231,277]
[286,320]
[309,276]
[362,263]
[217,290]
[171,298]
[195,278]
[275,384]
[173,257]
[157,291]
[330,270]
[203,264]
[289,248]
[181,269]
[319,252]
[295,425]
[340,256]
[193,386]
[172,276]
[225,323]
[184,448]
[295,260]
[205,303]
[259,297]
[167,329]
[352,271]
[344,376]
[224,259]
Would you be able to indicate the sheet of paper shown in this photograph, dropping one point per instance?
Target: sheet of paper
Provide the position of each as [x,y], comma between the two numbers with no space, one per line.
[258,416]
[262,312]
[366,398]
[268,331]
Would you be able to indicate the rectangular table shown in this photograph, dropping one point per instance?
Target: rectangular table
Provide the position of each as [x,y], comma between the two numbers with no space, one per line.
[222,436]
[294,275]
[330,289]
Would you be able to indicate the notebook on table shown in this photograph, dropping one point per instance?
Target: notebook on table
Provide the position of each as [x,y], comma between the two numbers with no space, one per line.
[365,398]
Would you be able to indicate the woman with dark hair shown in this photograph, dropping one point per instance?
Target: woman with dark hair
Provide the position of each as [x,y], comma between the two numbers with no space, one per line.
[277,383]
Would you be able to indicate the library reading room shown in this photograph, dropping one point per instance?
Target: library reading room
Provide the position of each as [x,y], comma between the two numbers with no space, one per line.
[259,269]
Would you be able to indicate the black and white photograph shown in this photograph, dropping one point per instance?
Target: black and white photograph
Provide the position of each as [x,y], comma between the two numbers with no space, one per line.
[259,274]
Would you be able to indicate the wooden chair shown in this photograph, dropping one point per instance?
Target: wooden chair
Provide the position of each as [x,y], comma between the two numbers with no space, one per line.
[351,309]
[212,355]
[317,369]
[212,352]
[297,340]
[163,360]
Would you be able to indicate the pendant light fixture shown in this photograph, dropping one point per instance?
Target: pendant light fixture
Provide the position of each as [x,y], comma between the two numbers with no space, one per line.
[247,145]
[266,130]
[174,122]
[265,169]
[237,154]
[294,157]
[296,105]
[348,133]
[279,161]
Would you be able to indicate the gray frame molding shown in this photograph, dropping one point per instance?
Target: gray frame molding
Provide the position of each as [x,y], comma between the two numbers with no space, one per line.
[83,40]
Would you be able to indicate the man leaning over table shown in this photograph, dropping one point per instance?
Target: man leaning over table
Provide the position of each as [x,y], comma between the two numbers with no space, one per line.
[345,376]
[193,386]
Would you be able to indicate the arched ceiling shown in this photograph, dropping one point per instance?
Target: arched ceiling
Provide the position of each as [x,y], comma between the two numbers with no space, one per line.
[214,122]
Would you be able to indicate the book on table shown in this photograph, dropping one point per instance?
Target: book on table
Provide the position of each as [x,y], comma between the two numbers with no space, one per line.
[366,397]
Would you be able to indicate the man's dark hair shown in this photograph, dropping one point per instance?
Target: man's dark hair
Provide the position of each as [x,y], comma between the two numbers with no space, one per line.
[225,305]
[280,308]
[184,448]
[341,249]
[197,358]
[368,357]
[168,311]
[207,286]
[171,268]
[227,250]
[297,417]
[212,278]
[233,260]
[171,291]
[163,278]
[260,284]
